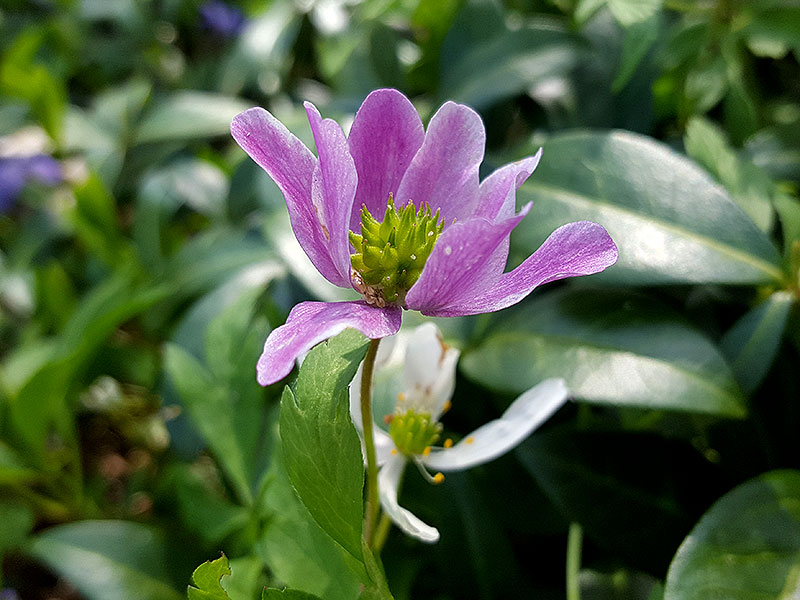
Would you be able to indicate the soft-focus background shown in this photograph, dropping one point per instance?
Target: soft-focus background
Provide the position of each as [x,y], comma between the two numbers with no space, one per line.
[144,258]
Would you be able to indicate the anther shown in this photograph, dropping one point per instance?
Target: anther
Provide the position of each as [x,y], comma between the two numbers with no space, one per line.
[401,397]
[427,451]
[394,451]
[438,478]
[448,443]
[388,419]
[469,440]
[447,406]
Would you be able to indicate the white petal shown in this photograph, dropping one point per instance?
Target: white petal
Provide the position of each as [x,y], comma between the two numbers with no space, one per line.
[388,482]
[429,371]
[383,445]
[497,437]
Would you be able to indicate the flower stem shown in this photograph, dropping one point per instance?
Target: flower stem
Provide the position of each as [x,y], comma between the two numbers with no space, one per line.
[574,547]
[382,533]
[373,505]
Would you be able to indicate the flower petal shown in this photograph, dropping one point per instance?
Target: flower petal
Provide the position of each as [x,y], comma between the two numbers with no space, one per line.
[312,322]
[388,483]
[444,172]
[574,249]
[333,188]
[463,264]
[291,165]
[429,371]
[385,136]
[497,437]
[497,192]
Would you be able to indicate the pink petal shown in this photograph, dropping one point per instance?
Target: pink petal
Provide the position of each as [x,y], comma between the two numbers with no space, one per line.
[497,192]
[312,322]
[291,165]
[385,136]
[574,249]
[464,261]
[333,188]
[444,172]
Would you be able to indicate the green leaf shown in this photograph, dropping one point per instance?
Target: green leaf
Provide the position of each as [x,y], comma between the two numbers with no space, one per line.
[321,447]
[481,64]
[298,552]
[639,38]
[672,224]
[788,208]
[13,470]
[109,560]
[611,348]
[16,522]
[188,115]
[212,409]
[750,186]
[746,546]
[276,594]
[775,25]
[207,580]
[629,12]
[752,343]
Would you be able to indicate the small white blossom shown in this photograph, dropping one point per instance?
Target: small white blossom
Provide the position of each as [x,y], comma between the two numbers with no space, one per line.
[418,369]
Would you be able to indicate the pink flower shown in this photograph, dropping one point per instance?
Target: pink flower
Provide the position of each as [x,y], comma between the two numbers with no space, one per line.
[389,155]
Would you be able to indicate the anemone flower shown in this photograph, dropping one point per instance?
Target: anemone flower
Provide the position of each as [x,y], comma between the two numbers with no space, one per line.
[222,18]
[418,370]
[442,244]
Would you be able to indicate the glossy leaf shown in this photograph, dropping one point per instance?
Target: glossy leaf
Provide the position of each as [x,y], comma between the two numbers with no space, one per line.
[188,115]
[321,447]
[610,348]
[672,224]
[109,560]
[752,343]
[746,547]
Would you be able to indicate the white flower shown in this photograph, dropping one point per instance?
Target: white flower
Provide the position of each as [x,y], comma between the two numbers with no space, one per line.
[418,369]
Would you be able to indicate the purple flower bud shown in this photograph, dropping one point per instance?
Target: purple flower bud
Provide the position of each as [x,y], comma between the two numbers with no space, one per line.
[221,18]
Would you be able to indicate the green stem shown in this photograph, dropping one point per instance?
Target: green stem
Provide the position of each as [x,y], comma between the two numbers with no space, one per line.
[373,505]
[382,532]
[574,547]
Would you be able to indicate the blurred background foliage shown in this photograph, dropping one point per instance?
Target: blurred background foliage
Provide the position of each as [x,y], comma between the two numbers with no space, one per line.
[144,258]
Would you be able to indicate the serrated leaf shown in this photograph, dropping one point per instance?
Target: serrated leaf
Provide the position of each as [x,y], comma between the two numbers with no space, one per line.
[109,560]
[299,553]
[746,546]
[672,224]
[611,348]
[320,445]
[207,580]
[753,341]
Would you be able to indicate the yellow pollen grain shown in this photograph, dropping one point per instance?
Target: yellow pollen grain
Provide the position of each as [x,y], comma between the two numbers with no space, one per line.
[427,451]
[448,443]
[438,478]
[469,440]
[394,451]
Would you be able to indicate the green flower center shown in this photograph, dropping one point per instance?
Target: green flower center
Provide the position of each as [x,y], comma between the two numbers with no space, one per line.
[413,432]
[390,255]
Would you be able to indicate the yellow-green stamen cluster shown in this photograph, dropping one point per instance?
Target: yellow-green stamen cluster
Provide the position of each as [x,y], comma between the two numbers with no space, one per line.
[390,255]
[413,432]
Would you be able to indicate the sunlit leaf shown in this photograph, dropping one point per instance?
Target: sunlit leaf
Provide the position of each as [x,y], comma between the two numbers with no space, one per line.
[746,546]
[109,560]
[672,224]
[610,348]
[206,579]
